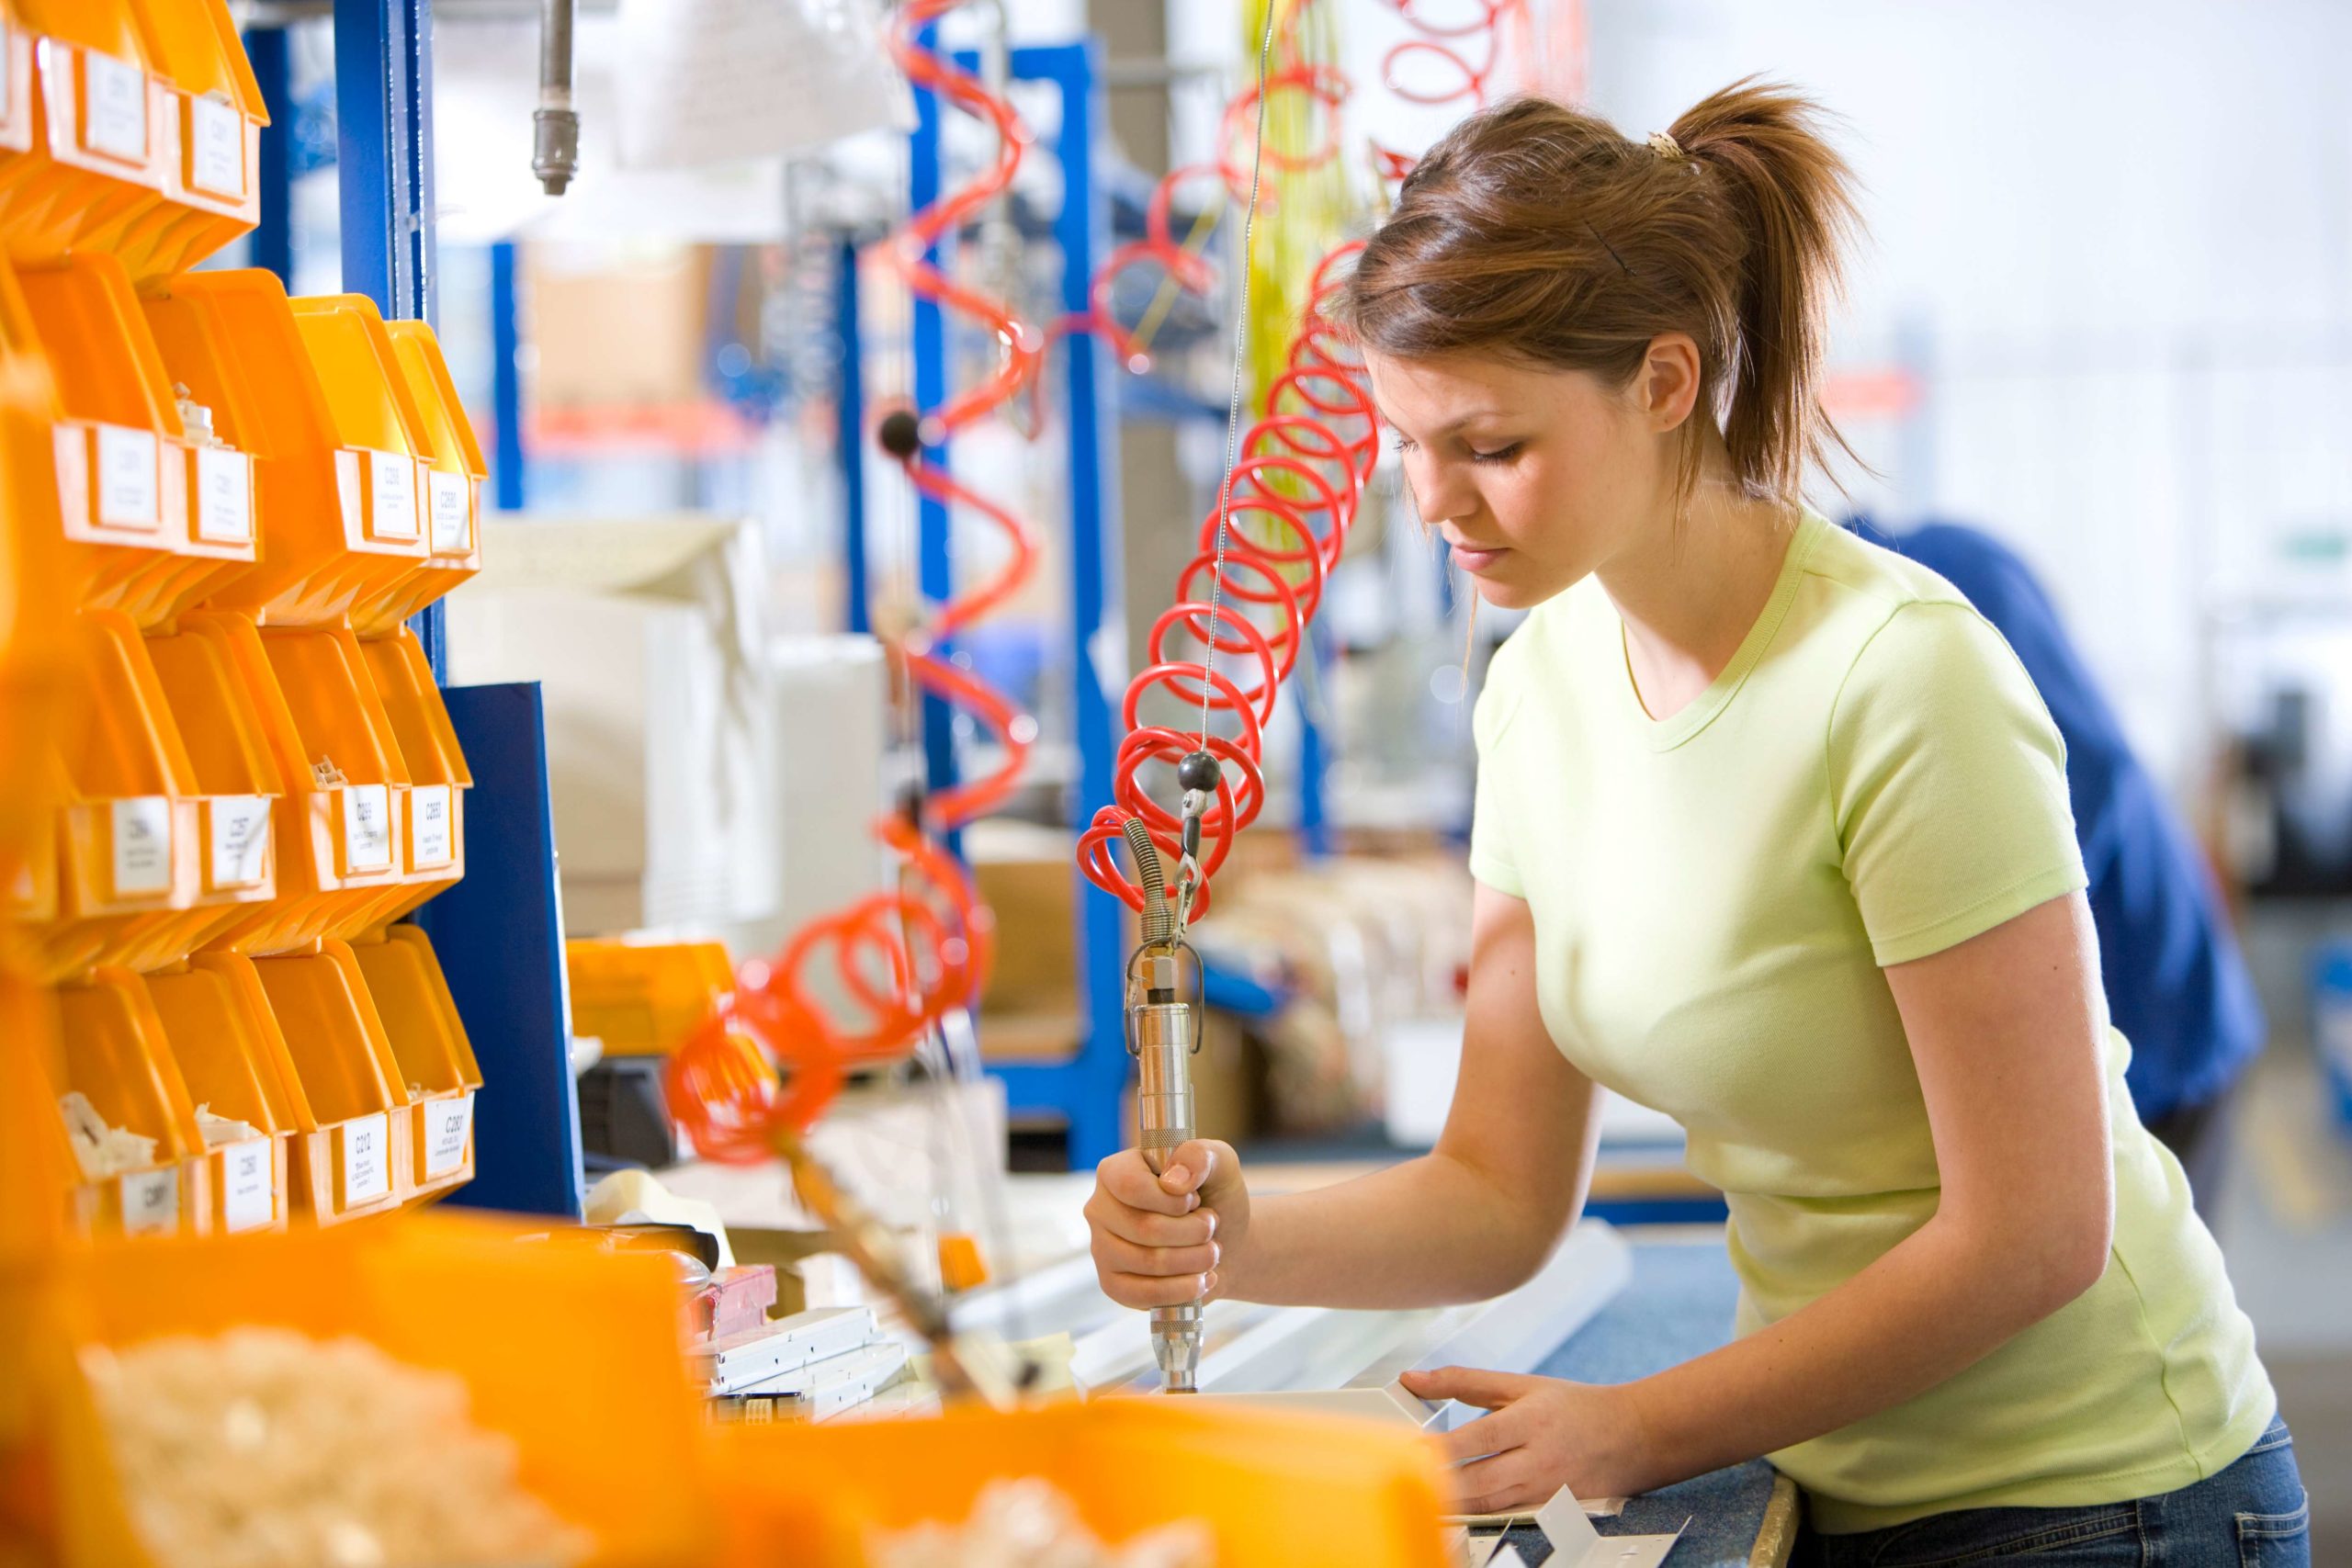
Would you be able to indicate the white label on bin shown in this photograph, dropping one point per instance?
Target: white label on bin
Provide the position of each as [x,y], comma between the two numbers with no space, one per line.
[368,828]
[446,1122]
[114,108]
[428,826]
[246,1200]
[151,1202]
[448,494]
[367,1168]
[127,477]
[225,496]
[143,845]
[391,491]
[216,134]
[240,839]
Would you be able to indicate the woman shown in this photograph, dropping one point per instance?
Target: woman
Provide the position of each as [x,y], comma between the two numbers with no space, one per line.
[1772,834]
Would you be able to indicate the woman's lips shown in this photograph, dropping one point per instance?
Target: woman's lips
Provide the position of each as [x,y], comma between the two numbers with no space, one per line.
[1476,560]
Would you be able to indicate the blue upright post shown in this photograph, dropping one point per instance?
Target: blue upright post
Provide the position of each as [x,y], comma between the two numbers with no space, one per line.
[505,380]
[937,565]
[1086,1090]
[383,89]
[849,402]
[273,241]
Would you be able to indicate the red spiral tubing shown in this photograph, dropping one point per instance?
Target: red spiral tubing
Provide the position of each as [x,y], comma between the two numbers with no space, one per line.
[1319,437]
[904,958]
[1464,51]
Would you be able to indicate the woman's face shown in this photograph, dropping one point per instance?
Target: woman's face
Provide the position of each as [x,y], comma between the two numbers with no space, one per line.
[1535,477]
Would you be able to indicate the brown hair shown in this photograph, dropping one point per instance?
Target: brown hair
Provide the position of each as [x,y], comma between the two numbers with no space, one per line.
[1537,231]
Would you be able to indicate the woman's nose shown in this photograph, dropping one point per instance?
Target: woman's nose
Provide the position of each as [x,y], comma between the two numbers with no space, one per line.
[1440,494]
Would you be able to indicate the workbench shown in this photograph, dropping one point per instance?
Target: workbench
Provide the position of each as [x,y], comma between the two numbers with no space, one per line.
[1679,1304]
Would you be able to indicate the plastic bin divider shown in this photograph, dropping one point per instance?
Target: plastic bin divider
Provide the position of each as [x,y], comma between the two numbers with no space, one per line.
[115,1052]
[217,1042]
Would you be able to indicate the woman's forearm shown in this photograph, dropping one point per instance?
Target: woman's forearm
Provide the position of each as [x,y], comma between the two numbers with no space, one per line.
[1429,1232]
[1934,1304]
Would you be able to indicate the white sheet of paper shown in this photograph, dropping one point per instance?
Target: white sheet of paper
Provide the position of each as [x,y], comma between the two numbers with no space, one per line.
[367,1161]
[246,1200]
[239,846]
[129,485]
[114,111]
[225,496]
[392,491]
[143,845]
[446,498]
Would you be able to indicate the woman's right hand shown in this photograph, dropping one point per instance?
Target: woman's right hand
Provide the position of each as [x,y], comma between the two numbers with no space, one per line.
[1160,1240]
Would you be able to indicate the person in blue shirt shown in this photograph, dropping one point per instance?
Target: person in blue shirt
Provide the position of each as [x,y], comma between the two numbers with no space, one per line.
[2176,985]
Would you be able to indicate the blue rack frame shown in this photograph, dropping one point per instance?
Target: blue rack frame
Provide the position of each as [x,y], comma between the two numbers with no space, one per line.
[499,932]
[1085,1090]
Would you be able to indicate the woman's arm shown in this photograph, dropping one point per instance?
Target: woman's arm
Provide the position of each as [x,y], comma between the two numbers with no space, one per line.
[2006,1032]
[1478,1215]
[1481,1211]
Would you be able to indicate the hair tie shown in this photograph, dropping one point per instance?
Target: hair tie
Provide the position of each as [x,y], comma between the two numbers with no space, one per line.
[1664,144]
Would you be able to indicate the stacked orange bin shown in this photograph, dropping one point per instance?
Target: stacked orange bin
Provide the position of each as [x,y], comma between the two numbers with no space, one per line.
[229,503]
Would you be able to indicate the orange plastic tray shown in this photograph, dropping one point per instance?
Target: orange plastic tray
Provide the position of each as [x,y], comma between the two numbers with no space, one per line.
[340,521]
[453,475]
[343,1084]
[156,521]
[340,827]
[217,1041]
[209,114]
[643,998]
[434,804]
[37,644]
[112,1047]
[436,1061]
[130,855]
[619,1454]
[1278,1490]
[95,155]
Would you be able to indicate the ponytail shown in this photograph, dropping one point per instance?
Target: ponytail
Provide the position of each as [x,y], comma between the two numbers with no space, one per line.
[1793,196]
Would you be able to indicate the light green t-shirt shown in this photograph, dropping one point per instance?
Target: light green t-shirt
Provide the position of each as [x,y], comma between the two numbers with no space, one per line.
[1871,779]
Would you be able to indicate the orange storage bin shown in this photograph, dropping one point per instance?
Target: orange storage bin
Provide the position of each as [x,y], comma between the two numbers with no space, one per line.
[340,521]
[453,475]
[94,156]
[1278,1490]
[236,776]
[436,1061]
[156,519]
[217,1042]
[129,853]
[339,828]
[209,136]
[617,1453]
[434,805]
[112,1048]
[642,999]
[350,1098]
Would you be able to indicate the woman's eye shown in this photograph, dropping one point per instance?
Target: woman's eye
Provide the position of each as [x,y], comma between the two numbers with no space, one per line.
[1499,455]
[1401,444]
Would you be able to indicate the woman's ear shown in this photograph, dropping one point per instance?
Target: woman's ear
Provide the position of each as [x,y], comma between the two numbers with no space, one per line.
[1666,389]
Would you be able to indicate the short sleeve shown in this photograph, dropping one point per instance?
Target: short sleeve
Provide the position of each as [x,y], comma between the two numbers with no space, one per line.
[1947,781]
[1490,856]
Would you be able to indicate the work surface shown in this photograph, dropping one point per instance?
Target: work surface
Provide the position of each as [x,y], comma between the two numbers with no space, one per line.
[1679,1304]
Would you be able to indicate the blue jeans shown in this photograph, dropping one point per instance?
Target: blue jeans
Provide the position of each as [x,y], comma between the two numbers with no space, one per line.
[2253,1515]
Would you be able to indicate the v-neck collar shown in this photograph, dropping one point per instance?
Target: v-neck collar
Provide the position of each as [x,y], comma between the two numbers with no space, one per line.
[1664,734]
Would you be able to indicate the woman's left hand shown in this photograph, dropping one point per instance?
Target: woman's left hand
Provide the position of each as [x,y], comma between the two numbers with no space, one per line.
[1544,1434]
